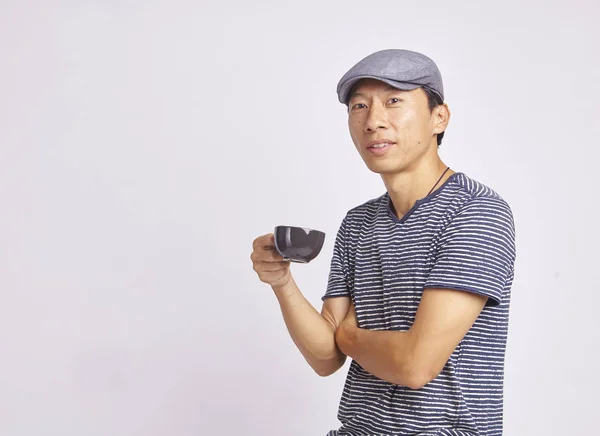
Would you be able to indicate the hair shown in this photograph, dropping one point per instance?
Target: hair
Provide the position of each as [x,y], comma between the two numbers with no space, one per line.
[433,101]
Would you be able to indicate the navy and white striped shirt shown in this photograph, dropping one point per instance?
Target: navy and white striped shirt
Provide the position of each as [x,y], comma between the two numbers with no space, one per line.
[460,237]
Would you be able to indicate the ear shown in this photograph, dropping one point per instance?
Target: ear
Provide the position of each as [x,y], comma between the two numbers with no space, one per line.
[441,118]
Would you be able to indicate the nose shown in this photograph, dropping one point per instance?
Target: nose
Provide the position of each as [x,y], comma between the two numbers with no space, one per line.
[376,118]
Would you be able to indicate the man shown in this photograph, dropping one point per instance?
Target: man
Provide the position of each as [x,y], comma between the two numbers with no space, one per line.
[419,287]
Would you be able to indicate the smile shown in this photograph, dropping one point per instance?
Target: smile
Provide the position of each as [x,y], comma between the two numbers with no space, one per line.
[384,144]
[379,149]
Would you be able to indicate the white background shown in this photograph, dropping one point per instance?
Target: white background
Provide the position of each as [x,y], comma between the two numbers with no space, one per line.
[144,145]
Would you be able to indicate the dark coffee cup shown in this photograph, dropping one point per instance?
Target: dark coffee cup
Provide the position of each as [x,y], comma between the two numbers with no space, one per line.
[298,244]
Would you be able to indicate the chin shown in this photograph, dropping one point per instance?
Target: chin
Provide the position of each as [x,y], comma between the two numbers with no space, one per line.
[382,168]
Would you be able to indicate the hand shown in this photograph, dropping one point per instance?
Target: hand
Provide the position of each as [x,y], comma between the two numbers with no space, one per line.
[268,263]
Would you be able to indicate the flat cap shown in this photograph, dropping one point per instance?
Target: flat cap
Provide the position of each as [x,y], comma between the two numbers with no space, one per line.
[402,69]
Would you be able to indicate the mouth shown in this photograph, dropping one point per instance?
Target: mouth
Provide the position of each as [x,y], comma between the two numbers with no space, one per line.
[379,147]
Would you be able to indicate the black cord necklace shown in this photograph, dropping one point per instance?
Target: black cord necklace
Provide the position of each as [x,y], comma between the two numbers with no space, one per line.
[438,181]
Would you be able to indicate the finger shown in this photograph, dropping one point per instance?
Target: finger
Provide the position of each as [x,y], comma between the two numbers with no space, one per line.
[272,266]
[267,254]
[264,241]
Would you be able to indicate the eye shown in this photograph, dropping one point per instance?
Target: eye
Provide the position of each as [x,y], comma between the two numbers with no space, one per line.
[359,106]
[394,100]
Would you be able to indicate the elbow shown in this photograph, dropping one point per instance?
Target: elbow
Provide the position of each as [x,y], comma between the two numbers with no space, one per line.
[415,374]
[415,379]
[416,366]
[328,367]
[416,382]
[324,372]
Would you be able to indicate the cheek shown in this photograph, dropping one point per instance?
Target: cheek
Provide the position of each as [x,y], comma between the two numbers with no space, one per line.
[355,124]
[355,128]
[409,125]
[405,119]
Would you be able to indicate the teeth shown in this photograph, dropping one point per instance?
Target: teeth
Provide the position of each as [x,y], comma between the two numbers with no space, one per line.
[380,145]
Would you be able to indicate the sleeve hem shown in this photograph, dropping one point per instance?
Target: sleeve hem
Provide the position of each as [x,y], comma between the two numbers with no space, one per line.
[326,296]
[493,300]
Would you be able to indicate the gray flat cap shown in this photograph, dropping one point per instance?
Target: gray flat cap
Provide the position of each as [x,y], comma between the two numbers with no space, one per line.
[402,69]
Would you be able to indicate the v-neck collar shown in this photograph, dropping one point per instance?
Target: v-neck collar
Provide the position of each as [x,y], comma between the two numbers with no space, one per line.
[388,201]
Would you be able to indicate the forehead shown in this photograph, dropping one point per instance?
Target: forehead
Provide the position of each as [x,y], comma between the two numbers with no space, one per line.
[370,86]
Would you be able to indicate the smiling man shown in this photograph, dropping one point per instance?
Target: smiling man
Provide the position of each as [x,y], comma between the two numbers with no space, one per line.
[419,288]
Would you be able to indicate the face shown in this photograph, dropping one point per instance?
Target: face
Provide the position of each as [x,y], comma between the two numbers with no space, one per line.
[393,130]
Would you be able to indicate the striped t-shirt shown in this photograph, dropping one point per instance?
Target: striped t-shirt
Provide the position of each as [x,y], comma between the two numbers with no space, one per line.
[460,237]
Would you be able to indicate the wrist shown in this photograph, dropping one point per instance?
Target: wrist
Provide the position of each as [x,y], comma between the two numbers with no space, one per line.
[284,290]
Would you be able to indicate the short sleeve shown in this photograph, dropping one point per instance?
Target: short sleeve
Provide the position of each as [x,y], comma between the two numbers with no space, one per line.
[476,251]
[337,284]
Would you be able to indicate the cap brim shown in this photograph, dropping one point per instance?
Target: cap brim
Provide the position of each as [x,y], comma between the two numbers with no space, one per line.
[345,87]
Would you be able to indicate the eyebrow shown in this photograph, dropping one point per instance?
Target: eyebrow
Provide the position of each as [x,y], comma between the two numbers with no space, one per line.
[388,89]
[355,94]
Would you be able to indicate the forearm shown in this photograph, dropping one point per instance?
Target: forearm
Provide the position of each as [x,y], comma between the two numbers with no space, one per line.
[312,334]
[385,354]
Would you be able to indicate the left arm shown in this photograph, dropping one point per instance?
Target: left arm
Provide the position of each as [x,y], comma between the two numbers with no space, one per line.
[484,228]
[414,357]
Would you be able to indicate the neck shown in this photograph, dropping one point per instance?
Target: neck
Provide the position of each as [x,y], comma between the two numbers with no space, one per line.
[406,187]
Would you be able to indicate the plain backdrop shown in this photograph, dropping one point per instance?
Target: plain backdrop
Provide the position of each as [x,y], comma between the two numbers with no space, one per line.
[144,145]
